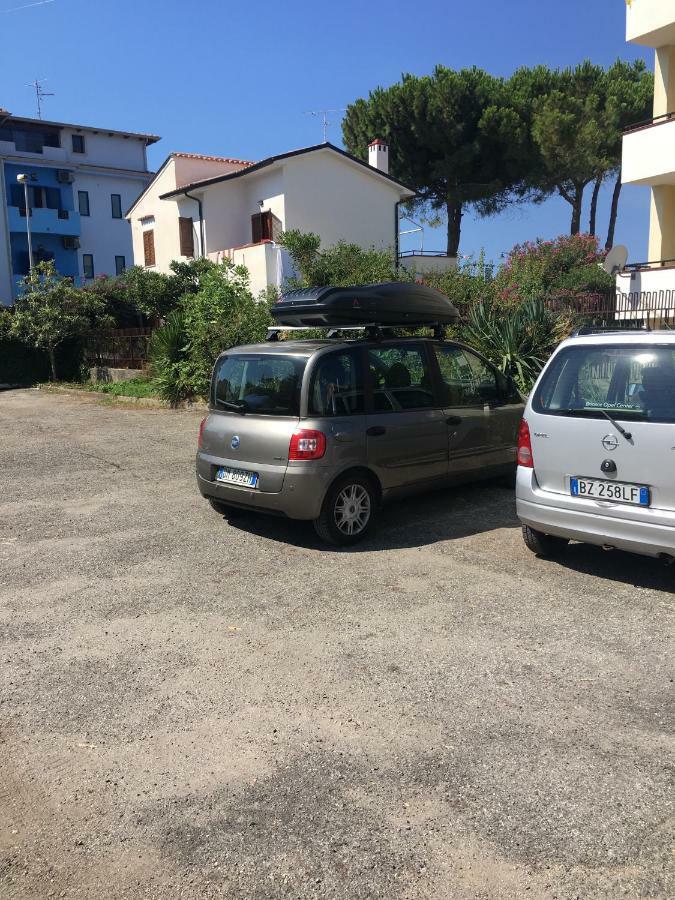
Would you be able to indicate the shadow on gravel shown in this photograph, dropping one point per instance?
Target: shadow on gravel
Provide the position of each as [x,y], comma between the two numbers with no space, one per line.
[615,565]
[414,522]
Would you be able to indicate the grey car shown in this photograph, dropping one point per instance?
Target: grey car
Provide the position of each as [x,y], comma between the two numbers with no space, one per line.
[326,430]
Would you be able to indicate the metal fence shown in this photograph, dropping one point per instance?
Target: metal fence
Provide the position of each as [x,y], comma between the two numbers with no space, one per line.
[617,309]
[122,348]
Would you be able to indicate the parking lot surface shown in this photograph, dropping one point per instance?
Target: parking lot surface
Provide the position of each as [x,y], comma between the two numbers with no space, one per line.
[198,708]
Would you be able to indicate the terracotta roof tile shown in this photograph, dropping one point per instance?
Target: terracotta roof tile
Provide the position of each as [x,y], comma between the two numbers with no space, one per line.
[223,159]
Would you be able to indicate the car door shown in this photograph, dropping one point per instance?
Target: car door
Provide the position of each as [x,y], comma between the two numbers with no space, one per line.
[407,436]
[465,413]
[502,406]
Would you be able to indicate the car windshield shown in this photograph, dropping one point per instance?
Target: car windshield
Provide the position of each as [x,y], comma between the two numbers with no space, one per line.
[636,383]
[265,384]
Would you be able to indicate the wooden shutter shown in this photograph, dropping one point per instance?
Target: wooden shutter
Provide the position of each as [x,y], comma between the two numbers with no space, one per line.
[256,228]
[263,226]
[149,247]
[186,235]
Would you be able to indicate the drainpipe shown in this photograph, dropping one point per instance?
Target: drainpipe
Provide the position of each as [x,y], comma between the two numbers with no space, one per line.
[396,227]
[202,248]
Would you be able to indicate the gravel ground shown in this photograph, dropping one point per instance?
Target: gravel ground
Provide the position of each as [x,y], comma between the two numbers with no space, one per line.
[192,708]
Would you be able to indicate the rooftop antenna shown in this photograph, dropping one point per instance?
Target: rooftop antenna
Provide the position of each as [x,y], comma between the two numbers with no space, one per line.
[323,114]
[40,94]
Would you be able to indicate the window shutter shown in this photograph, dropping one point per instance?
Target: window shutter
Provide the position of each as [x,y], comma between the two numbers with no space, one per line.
[256,228]
[186,235]
[149,247]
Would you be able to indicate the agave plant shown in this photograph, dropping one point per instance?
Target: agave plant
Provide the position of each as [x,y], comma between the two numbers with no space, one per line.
[517,340]
[167,353]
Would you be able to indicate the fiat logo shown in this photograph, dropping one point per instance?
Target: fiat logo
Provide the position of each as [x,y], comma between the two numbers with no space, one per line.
[610,442]
[234,443]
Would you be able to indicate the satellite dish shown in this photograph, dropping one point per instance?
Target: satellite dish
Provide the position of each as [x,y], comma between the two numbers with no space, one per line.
[616,259]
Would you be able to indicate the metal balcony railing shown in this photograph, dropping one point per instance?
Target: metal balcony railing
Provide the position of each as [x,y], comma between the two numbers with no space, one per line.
[650,123]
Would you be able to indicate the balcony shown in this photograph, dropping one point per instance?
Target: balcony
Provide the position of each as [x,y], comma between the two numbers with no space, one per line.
[267,263]
[51,154]
[426,261]
[650,23]
[646,292]
[45,221]
[649,152]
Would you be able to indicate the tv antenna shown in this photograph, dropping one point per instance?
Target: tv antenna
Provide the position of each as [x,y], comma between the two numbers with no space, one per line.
[40,94]
[323,115]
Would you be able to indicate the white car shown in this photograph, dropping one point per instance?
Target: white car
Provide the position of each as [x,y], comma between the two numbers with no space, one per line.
[596,449]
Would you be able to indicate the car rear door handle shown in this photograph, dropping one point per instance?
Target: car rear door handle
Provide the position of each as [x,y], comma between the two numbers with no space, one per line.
[376,430]
[453,420]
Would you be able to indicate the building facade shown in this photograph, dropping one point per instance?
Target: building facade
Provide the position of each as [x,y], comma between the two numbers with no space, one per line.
[649,159]
[238,209]
[80,182]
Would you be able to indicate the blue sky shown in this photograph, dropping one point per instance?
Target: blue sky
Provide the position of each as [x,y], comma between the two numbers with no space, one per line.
[236,78]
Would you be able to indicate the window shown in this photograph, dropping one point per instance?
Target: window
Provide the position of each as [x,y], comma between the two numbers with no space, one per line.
[186,236]
[400,378]
[337,385]
[38,197]
[83,202]
[30,140]
[78,143]
[265,226]
[120,265]
[149,247]
[261,383]
[466,379]
[116,204]
[88,265]
[637,383]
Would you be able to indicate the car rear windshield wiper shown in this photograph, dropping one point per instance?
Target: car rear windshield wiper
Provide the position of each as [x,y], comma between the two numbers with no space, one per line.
[238,405]
[603,412]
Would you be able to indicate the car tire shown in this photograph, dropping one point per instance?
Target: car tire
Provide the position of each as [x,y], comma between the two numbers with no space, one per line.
[545,545]
[348,511]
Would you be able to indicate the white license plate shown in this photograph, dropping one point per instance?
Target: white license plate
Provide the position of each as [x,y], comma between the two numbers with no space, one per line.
[616,491]
[237,476]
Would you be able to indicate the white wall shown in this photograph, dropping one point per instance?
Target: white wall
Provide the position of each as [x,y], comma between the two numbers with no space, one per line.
[651,289]
[651,22]
[340,201]
[101,149]
[167,245]
[102,235]
[648,155]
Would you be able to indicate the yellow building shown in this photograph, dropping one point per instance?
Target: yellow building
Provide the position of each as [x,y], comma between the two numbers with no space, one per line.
[649,155]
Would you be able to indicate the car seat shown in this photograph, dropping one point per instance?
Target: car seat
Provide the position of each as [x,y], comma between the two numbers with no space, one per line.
[658,391]
[397,376]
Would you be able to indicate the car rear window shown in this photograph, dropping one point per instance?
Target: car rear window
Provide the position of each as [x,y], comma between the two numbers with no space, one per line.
[634,382]
[265,384]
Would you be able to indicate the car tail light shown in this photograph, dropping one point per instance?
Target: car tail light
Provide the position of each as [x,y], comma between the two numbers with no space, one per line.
[525,457]
[202,425]
[307,444]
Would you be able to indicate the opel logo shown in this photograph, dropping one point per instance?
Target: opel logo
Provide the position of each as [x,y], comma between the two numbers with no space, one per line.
[610,442]
[234,443]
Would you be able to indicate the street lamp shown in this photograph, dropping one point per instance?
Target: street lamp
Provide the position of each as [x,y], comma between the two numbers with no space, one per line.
[24,179]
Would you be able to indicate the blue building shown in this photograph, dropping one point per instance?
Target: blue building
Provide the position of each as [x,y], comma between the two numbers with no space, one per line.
[81,180]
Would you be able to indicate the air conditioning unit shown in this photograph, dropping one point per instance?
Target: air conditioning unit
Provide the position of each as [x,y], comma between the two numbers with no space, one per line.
[71,243]
[64,176]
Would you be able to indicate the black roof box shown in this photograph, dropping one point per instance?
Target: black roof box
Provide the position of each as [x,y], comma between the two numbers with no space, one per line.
[387,304]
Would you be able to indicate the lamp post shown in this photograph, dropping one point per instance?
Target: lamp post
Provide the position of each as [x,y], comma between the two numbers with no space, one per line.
[24,179]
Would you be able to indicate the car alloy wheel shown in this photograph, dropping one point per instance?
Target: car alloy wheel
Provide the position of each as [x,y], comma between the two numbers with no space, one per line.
[352,509]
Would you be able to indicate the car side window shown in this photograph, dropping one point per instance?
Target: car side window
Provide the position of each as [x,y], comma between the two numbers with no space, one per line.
[400,377]
[337,385]
[466,379]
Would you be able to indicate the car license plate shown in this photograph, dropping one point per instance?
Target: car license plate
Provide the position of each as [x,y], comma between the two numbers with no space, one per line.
[619,492]
[237,476]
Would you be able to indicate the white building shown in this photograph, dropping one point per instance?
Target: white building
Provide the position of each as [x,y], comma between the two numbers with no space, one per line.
[649,159]
[82,179]
[228,208]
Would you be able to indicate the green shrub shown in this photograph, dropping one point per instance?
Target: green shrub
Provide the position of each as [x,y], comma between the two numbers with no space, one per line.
[220,314]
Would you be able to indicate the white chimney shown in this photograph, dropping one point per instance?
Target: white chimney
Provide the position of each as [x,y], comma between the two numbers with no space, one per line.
[378,155]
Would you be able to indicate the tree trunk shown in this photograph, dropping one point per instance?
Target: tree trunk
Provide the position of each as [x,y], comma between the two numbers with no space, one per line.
[614,209]
[52,362]
[454,211]
[594,205]
[577,202]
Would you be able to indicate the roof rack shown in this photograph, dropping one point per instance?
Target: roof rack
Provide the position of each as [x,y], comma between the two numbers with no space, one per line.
[618,329]
[372,330]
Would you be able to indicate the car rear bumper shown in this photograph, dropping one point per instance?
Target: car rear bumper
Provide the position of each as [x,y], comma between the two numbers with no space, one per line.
[300,497]
[650,532]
